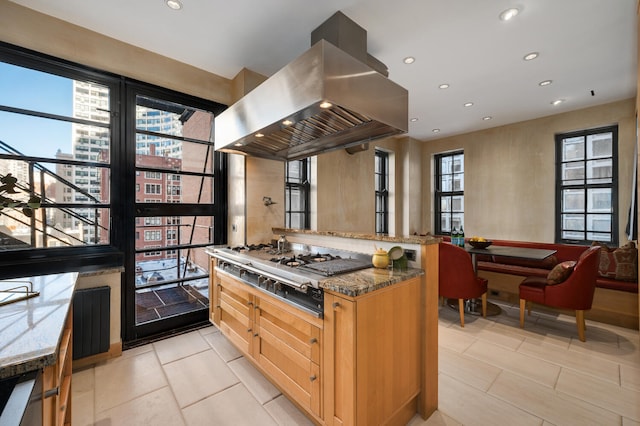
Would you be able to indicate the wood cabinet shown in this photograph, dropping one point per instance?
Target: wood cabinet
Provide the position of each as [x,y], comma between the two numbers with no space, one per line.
[287,346]
[372,353]
[362,364]
[283,342]
[56,381]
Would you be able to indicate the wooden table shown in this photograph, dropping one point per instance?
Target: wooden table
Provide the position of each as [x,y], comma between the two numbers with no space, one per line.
[474,306]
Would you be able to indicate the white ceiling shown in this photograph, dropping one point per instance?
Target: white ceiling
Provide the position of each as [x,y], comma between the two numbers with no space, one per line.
[584,45]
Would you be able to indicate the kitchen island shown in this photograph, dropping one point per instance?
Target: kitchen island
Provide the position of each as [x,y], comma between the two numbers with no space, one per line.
[362,361]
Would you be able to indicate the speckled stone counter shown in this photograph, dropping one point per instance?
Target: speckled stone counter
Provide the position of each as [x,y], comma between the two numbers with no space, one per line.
[412,239]
[367,280]
[30,329]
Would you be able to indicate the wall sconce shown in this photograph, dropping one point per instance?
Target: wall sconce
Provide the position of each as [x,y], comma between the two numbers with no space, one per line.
[267,201]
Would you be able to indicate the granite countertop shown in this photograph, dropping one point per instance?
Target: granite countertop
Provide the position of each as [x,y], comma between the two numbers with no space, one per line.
[367,280]
[30,330]
[412,239]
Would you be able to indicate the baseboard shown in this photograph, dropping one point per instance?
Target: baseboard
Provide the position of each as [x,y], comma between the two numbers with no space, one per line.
[115,350]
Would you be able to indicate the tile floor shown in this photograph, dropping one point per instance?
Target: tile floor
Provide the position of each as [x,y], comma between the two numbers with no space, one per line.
[490,373]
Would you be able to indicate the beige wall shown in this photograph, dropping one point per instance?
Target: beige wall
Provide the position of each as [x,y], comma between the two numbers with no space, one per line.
[346,200]
[510,172]
[27,28]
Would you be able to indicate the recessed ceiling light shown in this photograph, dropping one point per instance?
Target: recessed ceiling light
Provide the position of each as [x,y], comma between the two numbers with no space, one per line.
[237,144]
[409,60]
[530,56]
[557,102]
[487,118]
[287,122]
[509,14]
[174,4]
[468,104]
[443,86]
[436,130]
[326,105]
[545,82]
[413,120]
[259,135]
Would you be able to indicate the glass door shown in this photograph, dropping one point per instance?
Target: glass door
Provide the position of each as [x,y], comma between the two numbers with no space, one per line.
[176,215]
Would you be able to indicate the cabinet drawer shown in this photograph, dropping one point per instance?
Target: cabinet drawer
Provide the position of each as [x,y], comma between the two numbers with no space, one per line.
[295,332]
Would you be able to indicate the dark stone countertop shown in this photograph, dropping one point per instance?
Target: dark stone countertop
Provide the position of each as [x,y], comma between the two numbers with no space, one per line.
[367,280]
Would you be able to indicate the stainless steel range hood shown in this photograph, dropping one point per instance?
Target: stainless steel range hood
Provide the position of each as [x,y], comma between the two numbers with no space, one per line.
[324,100]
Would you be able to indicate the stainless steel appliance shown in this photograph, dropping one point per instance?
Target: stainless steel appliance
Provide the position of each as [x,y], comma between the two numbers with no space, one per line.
[293,274]
[335,95]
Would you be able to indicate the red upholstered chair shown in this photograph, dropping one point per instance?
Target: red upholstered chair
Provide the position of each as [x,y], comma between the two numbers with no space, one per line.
[576,292]
[458,280]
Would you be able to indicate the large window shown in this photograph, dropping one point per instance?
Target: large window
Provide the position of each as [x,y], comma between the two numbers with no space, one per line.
[382,191]
[297,188]
[586,189]
[57,136]
[449,192]
[104,171]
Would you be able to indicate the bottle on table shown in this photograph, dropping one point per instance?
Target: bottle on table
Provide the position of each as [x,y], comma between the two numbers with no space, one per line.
[461,237]
[454,236]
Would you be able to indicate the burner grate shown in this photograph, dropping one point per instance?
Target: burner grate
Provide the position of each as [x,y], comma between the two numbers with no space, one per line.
[336,266]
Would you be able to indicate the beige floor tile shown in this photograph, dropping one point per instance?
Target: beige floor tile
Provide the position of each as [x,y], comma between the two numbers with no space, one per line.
[198,376]
[630,377]
[497,335]
[600,393]
[254,381]
[155,408]
[471,406]
[137,350]
[82,406]
[285,413]
[467,370]
[233,407]
[551,328]
[537,370]
[454,339]
[625,352]
[180,346]
[123,379]
[83,397]
[547,404]
[587,363]
[436,419]
[222,346]
[83,380]
[207,330]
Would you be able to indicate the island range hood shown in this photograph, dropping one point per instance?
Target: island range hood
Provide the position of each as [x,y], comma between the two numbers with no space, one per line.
[328,98]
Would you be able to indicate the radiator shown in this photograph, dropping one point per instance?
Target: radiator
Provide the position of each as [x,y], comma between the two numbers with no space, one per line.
[91,321]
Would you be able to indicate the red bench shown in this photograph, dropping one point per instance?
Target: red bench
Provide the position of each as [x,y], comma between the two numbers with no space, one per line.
[525,267]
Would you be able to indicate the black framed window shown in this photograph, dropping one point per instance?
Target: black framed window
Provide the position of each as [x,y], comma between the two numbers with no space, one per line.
[449,192]
[587,186]
[297,193]
[382,191]
[115,163]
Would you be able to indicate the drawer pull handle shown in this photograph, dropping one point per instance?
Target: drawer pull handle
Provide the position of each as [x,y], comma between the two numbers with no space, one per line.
[313,340]
[312,378]
[249,330]
[250,303]
[255,335]
[336,305]
[52,392]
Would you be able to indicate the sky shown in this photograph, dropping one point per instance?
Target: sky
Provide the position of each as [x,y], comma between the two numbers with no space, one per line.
[29,89]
